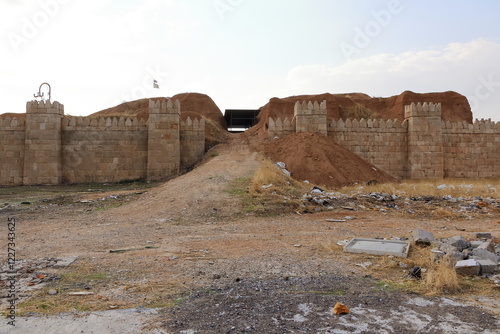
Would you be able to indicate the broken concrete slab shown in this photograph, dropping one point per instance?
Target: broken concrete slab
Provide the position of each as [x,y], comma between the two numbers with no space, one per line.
[421,237]
[468,267]
[378,247]
[487,266]
[64,262]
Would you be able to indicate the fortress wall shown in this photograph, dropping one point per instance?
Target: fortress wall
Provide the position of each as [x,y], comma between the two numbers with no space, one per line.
[192,138]
[420,147]
[12,137]
[51,148]
[471,150]
[381,142]
[102,149]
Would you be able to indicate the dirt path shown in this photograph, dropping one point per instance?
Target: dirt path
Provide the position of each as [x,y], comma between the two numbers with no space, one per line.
[190,252]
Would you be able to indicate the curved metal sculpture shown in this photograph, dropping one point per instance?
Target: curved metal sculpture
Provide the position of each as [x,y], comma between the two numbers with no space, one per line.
[40,94]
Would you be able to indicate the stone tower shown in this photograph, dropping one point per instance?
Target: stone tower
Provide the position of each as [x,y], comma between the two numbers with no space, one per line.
[310,117]
[425,141]
[42,157]
[164,154]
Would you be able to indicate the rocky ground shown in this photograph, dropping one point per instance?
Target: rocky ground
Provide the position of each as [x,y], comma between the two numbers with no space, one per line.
[191,256]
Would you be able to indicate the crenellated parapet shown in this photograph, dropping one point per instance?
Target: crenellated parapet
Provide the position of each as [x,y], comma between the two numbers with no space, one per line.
[165,107]
[12,123]
[280,127]
[310,117]
[309,108]
[479,126]
[44,107]
[74,123]
[363,124]
[193,124]
[425,109]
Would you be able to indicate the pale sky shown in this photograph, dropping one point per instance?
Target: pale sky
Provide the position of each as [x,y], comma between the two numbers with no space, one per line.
[98,53]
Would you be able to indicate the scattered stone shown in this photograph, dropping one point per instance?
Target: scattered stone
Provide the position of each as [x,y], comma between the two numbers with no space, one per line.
[487,266]
[437,255]
[468,267]
[364,265]
[459,242]
[422,237]
[52,292]
[475,243]
[484,235]
[81,293]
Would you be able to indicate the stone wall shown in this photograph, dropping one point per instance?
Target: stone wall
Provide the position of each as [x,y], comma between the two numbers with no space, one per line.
[51,148]
[12,141]
[422,146]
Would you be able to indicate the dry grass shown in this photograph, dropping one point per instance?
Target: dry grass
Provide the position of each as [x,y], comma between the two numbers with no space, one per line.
[270,174]
[438,188]
[441,277]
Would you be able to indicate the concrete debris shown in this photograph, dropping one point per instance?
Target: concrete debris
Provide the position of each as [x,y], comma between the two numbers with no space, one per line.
[378,247]
[468,267]
[282,166]
[421,237]
[487,267]
[472,257]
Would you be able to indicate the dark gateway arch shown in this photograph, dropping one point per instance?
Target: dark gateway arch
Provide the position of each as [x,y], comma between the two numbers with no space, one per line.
[240,119]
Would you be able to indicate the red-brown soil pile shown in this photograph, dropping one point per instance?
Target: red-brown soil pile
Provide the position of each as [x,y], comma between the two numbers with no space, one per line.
[321,161]
[455,107]
[193,105]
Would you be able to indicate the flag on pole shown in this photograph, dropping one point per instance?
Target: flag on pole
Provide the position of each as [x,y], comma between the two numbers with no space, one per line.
[155,84]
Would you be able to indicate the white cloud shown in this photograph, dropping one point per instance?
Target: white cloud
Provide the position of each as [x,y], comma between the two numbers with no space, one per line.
[470,69]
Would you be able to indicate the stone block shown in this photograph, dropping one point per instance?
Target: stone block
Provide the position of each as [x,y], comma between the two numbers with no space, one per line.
[459,242]
[487,266]
[421,237]
[489,245]
[484,235]
[483,254]
[467,267]
[475,243]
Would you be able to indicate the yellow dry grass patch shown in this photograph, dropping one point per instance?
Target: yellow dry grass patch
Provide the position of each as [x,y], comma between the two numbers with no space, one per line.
[437,188]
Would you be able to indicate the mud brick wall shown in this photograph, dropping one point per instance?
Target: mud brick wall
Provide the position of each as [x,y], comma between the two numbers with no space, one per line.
[12,137]
[103,149]
[422,146]
[51,148]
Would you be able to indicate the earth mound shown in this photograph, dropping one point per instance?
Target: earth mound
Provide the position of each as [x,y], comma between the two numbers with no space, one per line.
[193,105]
[318,159]
[455,107]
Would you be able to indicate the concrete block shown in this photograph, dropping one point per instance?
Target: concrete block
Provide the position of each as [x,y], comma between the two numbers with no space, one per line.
[483,254]
[489,245]
[422,237]
[467,267]
[487,266]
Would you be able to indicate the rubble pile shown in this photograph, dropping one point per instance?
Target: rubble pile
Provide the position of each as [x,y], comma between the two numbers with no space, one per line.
[479,255]
[384,202]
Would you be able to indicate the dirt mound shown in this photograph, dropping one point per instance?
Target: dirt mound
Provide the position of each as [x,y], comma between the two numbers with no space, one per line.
[193,105]
[320,160]
[455,106]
